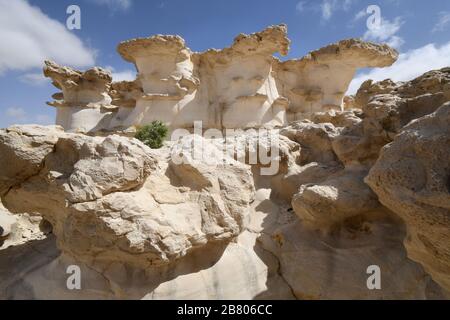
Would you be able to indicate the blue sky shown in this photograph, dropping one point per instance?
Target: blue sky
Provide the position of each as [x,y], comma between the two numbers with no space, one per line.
[33,30]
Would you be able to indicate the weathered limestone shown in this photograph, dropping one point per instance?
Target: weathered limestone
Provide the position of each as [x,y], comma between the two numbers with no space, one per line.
[6,223]
[242,86]
[22,152]
[141,225]
[341,196]
[387,107]
[125,93]
[235,271]
[318,81]
[327,191]
[165,71]
[21,229]
[111,199]
[320,266]
[350,142]
[241,82]
[84,104]
[359,181]
[412,178]
[229,88]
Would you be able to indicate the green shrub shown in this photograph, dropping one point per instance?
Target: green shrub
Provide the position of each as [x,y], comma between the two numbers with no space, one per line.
[153,134]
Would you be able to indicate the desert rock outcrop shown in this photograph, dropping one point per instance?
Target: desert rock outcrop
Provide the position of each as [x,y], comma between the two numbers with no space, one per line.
[412,178]
[110,198]
[242,86]
[300,211]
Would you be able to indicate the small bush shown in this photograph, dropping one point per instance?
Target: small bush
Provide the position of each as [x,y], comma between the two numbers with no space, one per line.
[153,134]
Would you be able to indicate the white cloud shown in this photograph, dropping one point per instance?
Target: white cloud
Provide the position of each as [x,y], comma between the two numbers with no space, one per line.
[34,79]
[443,22]
[347,4]
[114,5]
[126,75]
[386,32]
[410,65]
[395,42]
[16,113]
[300,7]
[328,7]
[360,14]
[29,37]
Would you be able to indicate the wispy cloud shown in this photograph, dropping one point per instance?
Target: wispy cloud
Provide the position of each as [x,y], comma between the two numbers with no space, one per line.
[329,7]
[18,115]
[125,75]
[443,21]
[410,65]
[360,14]
[386,32]
[34,79]
[114,5]
[29,37]
[301,6]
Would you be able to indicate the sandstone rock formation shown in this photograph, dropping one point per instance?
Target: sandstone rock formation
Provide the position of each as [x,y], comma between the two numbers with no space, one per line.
[319,80]
[84,103]
[242,86]
[19,165]
[140,225]
[412,178]
[300,212]
[21,229]
[111,198]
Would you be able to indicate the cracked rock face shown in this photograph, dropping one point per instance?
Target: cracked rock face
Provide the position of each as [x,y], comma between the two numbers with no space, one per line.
[22,151]
[114,199]
[368,185]
[412,178]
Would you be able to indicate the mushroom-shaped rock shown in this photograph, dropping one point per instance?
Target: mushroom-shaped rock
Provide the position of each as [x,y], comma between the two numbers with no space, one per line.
[245,89]
[86,103]
[79,88]
[166,73]
[241,86]
[164,65]
[318,81]
[270,40]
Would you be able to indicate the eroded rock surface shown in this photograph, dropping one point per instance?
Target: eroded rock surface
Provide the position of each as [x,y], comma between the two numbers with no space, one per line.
[241,86]
[114,199]
[412,178]
[353,188]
